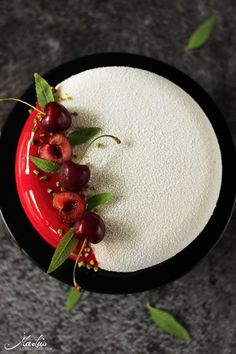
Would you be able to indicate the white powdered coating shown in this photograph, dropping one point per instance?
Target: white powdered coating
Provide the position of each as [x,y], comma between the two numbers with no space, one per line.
[166,174]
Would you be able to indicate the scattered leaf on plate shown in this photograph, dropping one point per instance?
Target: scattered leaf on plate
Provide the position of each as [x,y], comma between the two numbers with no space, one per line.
[73,297]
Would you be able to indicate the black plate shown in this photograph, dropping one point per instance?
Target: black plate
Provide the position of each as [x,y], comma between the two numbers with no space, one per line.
[103,281]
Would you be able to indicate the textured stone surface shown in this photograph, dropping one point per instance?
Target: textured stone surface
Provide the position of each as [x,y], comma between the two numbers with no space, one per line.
[37,36]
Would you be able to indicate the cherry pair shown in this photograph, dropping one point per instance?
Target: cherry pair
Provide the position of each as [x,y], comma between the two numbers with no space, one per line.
[72,208]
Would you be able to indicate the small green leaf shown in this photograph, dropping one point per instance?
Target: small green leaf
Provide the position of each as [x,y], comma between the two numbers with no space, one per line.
[201,34]
[98,200]
[44,165]
[63,250]
[82,135]
[167,323]
[73,297]
[43,90]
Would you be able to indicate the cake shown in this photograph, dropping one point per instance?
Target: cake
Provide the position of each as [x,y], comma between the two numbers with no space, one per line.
[166,175]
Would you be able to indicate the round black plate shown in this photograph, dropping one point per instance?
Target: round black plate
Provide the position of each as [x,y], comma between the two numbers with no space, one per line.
[103,281]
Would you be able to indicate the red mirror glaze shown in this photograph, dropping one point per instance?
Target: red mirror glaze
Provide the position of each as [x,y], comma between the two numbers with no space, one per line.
[33,194]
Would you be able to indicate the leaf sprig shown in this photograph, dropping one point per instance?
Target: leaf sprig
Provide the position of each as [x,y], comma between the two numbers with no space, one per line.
[63,250]
[45,165]
[98,200]
[83,135]
[43,90]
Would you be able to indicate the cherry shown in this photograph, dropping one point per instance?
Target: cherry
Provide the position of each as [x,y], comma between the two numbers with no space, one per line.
[73,177]
[90,226]
[57,118]
[58,150]
[71,206]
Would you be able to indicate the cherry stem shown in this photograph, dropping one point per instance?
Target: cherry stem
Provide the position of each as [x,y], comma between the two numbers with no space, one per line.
[76,285]
[117,140]
[18,100]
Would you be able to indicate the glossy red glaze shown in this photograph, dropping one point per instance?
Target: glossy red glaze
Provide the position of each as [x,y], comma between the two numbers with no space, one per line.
[33,194]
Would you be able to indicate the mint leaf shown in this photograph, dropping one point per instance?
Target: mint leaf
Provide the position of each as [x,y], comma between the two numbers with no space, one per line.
[83,135]
[201,34]
[43,90]
[98,200]
[73,297]
[167,323]
[44,165]
[63,250]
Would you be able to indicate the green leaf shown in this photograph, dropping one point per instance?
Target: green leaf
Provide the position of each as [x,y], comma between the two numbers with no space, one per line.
[167,323]
[43,90]
[201,34]
[63,250]
[83,135]
[44,165]
[73,297]
[98,200]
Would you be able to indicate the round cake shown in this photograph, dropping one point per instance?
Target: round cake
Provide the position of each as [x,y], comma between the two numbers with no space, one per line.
[166,174]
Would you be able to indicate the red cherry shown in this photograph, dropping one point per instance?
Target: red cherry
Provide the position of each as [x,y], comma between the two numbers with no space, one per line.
[71,206]
[73,177]
[58,150]
[90,226]
[57,118]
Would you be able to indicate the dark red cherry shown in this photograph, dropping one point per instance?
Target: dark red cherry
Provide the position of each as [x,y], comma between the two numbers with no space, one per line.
[71,206]
[57,118]
[57,150]
[90,226]
[73,177]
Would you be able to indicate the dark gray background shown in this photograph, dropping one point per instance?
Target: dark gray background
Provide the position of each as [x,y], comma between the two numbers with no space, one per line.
[39,35]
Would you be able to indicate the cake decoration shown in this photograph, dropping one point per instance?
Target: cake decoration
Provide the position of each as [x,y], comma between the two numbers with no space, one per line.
[51,155]
[167,174]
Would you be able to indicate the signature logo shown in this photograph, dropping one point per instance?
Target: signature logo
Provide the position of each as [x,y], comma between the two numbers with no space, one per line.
[30,343]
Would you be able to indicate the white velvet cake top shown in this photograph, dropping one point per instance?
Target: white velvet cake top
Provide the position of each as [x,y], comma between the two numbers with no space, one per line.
[166,174]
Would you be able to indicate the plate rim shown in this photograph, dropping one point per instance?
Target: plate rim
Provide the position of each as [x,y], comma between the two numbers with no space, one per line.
[162,273]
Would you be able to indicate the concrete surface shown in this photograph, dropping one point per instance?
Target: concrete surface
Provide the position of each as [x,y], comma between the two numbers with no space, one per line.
[39,35]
